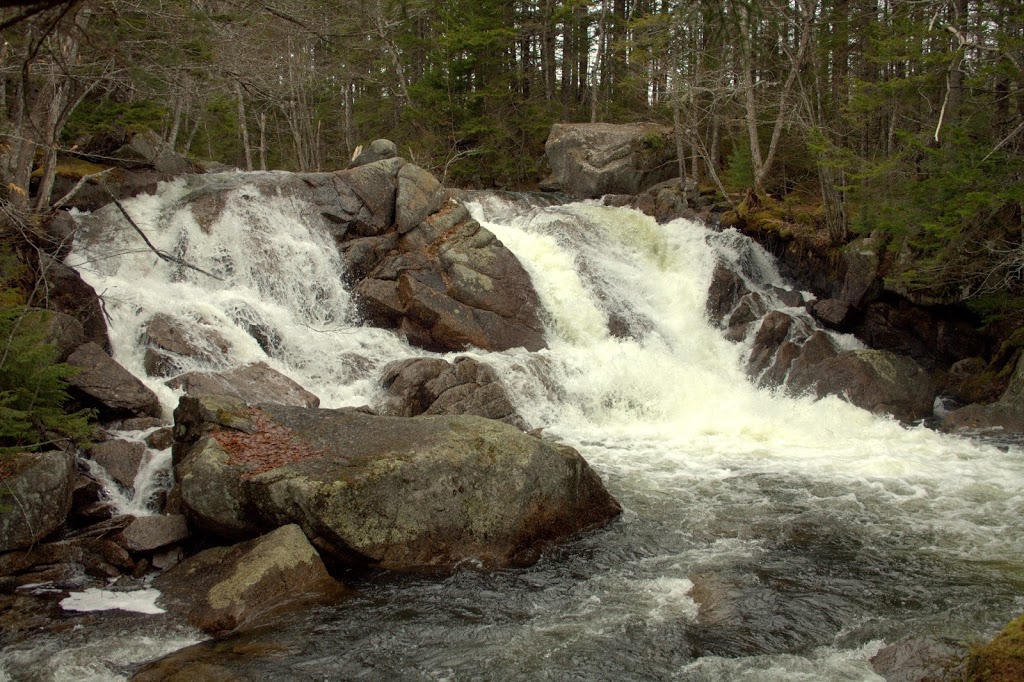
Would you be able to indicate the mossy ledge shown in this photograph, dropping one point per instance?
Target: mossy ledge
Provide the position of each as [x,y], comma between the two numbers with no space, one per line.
[1001,660]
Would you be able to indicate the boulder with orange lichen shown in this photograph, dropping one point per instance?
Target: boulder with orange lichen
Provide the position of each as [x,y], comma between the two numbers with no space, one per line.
[389,492]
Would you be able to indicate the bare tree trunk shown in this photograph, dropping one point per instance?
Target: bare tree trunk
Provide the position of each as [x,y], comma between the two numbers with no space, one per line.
[750,98]
[262,121]
[677,131]
[243,128]
[598,62]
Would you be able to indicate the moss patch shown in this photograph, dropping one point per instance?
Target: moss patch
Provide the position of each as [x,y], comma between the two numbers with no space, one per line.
[1002,659]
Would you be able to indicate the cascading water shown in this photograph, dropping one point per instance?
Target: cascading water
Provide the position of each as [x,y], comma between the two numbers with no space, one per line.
[765,537]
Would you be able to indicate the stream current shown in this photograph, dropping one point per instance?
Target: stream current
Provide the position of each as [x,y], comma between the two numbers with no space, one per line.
[764,537]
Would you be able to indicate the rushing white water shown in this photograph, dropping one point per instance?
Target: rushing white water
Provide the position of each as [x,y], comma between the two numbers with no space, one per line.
[765,537]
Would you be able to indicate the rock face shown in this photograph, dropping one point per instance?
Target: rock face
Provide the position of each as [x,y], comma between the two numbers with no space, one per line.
[108,387]
[390,492]
[35,498]
[589,160]
[879,381]
[230,588]
[1006,414]
[168,345]
[70,294]
[255,383]
[434,386]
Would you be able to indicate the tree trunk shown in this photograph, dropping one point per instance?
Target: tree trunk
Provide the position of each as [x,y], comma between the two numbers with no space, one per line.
[243,128]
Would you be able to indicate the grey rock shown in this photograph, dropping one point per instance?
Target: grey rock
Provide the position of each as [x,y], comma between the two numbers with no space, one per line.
[226,589]
[434,386]
[378,150]
[149,533]
[391,492]
[255,383]
[879,381]
[107,386]
[589,160]
[35,498]
[121,459]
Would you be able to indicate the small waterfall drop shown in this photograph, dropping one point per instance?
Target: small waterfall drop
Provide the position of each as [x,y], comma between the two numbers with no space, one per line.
[765,536]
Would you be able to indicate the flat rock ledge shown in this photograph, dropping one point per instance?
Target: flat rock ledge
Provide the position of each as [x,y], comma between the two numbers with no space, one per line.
[407,494]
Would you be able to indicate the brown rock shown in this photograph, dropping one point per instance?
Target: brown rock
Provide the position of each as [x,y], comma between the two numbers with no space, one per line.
[148,533]
[109,387]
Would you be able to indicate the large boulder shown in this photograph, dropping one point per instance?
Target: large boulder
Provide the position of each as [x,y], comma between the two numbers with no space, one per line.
[589,160]
[389,492]
[224,589]
[35,497]
[879,381]
[103,384]
[255,383]
[434,386]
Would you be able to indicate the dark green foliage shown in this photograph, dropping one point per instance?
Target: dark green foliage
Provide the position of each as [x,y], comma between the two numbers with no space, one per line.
[94,117]
[32,386]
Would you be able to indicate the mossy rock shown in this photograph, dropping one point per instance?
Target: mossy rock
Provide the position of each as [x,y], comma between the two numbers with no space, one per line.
[73,169]
[1002,659]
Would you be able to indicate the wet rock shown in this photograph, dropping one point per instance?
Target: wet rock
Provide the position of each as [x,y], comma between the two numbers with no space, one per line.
[918,660]
[433,386]
[161,439]
[255,383]
[879,381]
[775,328]
[751,307]
[225,589]
[391,492]
[833,313]
[803,374]
[997,416]
[121,459]
[250,655]
[726,289]
[167,344]
[589,160]
[149,533]
[96,557]
[108,387]
[776,374]
[68,293]
[35,497]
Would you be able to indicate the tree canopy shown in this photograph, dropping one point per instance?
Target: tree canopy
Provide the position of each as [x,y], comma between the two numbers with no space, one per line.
[905,116]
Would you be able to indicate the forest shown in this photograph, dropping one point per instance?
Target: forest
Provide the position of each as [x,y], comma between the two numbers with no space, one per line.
[899,116]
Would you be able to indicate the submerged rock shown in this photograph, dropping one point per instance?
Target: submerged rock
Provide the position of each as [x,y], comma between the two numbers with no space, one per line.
[390,492]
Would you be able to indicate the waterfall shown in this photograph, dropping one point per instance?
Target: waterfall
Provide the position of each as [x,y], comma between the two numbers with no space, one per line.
[765,536]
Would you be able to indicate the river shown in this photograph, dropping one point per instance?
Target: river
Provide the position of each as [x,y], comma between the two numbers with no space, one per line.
[764,537]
